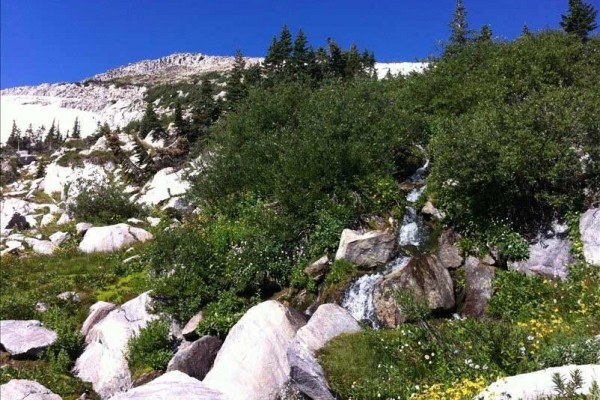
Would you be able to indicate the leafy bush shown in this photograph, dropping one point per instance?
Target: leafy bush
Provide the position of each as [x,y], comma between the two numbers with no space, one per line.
[103,203]
[152,348]
[509,149]
[218,317]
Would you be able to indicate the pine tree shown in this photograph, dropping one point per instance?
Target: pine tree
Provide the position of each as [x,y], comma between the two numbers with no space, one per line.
[41,168]
[150,123]
[180,123]
[76,134]
[301,57]
[285,48]
[236,88]
[336,61]
[14,140]
[59,138]
[485,36]
[459,28]
[50,139]
[272,60]
[580,19]
[525,32]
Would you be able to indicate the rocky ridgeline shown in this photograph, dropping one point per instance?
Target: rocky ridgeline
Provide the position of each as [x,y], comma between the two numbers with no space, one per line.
[172,68]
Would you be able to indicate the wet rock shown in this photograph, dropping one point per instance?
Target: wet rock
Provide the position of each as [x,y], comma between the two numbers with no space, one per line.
[367,250]
[424,277]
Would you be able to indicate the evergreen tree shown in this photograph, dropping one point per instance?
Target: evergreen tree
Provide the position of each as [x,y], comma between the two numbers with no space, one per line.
[180,123]
[336,61]
[302,57]
[41,168]
[76,134]
[459,28]
[525,32]
[151,123]
[485,36]
[353,62]
[50,139]
[59,137]
[236,88]
[205,113]
[28,140]
[14,140]
[580,19]
[272,60]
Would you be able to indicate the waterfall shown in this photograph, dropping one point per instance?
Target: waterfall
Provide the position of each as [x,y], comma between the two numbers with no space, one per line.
[358,299]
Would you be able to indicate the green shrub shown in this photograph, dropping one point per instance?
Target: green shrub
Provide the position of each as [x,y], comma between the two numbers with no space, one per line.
[152,348]
[103,203]
[71,159]
[219,316]
[340,271]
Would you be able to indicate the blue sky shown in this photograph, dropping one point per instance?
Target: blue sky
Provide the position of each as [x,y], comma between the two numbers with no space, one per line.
[68,40]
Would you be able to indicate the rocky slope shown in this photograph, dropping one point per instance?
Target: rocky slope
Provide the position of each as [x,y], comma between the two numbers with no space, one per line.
[117,96]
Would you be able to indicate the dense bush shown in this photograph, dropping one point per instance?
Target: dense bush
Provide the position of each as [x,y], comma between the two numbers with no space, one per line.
[515,138]
[103,203]
[152,348]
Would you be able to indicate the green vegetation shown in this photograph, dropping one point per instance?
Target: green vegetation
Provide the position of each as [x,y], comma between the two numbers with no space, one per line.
[152,349]
[104,203]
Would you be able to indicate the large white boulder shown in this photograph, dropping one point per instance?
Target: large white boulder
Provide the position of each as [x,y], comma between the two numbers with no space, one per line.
[10,206]
[548,256]
[22,389]
[173,385]
[104,362]
[25,337]
[112,238]
[98,311]
[42,247]
[165,184]
[539,384]
[589,228]
[329,321]
[369,249]
[253,363]
[64,180]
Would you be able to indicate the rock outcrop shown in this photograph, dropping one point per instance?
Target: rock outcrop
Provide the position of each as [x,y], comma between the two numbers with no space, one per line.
[103,362]
[22,389]
[424,277]
[329,321]
[165,184]
[253,363]
[539,384]
[25,338]
[98,311]
[367,250]
[173,385]
[589,228]
[548,257]
[479,276]
[195,359]
[112,238]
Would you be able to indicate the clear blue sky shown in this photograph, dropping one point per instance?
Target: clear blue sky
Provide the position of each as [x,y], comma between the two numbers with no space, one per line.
[68,40]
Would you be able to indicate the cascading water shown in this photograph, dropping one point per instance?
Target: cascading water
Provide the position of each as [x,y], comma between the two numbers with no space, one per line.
[358,299]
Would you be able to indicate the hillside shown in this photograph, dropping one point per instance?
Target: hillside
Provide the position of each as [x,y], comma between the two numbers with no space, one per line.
[117,96]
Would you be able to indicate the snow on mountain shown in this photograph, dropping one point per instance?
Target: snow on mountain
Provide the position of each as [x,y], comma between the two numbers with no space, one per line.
[117,96]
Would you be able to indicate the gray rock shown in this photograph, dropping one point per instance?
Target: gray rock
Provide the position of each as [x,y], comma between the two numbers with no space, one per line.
[104,360]
[21,389]
[549,257]
[70,296]
[195,359]
[41,307]
[64,219]
[252,363]
[173,385]
[25,337]
[447,251]
[539,384]
[112,238]
[47,219]
[42,247]
[367,250]
[318,269]
[98,311]
[589,228]
[425,277]
[82,227]
[58,238]
[429,209]
[329,321]
[479,287]
[189,330]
